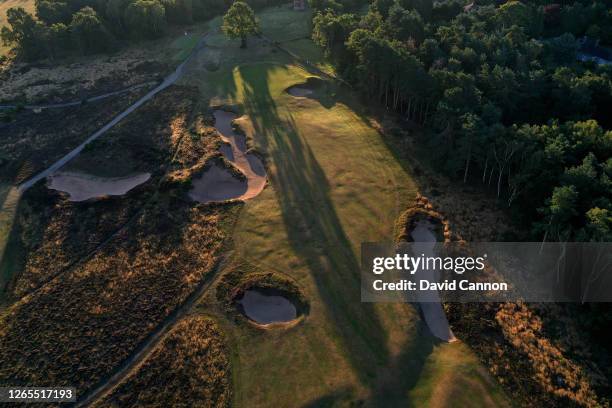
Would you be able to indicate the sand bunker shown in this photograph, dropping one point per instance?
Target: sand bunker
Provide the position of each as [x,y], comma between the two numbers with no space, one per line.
[81,187]
[307,88]
[217,183]
[424,236]
[265,308]
[299,91]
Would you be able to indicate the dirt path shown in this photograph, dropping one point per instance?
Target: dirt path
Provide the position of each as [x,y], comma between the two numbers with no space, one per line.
[169,80]
[80,102]
[139,356]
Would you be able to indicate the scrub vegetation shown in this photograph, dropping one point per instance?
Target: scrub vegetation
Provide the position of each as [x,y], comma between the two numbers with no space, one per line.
[153,249]
[34,141]
[192,363]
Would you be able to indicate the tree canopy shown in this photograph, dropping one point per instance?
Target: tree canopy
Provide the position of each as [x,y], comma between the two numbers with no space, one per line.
[240,22]
[503,99]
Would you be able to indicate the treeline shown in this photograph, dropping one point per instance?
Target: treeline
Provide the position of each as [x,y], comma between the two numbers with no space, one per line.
[503,97]
[60,27]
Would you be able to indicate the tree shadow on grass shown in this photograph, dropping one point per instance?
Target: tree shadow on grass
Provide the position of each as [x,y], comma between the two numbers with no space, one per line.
[314,228]
[317,236]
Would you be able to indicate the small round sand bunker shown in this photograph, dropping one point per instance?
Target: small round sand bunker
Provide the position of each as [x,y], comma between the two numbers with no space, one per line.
[267,306]
[307,88]
[81,186]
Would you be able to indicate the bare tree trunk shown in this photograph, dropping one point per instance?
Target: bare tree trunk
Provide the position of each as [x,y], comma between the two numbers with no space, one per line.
[484,173]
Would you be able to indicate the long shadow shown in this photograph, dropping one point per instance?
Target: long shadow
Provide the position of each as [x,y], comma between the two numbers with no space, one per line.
[317,236]
[314,229]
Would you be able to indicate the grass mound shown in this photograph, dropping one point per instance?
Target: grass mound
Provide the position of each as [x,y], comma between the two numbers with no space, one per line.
[235,283]
[193,365]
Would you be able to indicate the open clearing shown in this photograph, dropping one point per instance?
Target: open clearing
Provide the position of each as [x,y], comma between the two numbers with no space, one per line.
[333,185]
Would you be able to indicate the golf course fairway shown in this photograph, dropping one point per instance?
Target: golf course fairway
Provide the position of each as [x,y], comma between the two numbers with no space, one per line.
[333,183]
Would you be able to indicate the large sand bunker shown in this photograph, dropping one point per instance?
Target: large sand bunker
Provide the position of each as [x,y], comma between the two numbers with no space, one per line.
[218,183]
[424,237]
[81,186]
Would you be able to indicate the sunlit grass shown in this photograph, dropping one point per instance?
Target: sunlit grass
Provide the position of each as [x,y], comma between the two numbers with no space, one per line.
[334,183]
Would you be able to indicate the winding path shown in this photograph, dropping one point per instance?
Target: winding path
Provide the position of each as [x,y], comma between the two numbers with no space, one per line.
[169,80]
[80,102]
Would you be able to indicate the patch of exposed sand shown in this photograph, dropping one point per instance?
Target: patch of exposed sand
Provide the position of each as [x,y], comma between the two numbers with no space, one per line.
[217,183]
[81,186]
[424,239]
[299,91]
[266,308]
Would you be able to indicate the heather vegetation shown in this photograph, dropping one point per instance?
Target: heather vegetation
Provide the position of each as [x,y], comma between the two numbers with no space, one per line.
[118,267]
[192,362]
[510,96]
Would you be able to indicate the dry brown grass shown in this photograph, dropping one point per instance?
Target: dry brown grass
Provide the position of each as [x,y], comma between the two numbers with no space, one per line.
[557,374]
[64,81]
[54,232]
[537,369]
[36,140]
[191,363]
[77,328]
[146,140]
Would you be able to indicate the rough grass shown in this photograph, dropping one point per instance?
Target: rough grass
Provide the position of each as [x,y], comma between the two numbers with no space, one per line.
[193,365]
[536,365]
[78,327]
[52,233]
[334,183]
[35,141]
[145,141]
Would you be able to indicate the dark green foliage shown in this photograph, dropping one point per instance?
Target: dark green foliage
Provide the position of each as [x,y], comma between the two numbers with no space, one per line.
[502,95]
[88,33]
[145,18]
[240,22]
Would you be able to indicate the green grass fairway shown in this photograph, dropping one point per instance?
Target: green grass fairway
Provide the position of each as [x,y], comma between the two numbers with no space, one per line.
[333,184]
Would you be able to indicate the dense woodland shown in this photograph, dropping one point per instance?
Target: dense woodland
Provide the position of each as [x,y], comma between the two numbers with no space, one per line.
[61,27]
[499,86]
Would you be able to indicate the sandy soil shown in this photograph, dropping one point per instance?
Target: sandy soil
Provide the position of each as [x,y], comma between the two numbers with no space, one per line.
[217,183]
[82,186]
[429,301]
